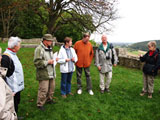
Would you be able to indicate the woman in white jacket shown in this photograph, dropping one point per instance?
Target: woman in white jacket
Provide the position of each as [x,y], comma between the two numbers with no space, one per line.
[67,58]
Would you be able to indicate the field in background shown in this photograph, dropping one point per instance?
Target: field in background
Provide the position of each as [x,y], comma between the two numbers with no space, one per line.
[123,103]
[132,52]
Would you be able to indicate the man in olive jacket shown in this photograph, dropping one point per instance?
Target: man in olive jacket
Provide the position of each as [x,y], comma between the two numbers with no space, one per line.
[43,61]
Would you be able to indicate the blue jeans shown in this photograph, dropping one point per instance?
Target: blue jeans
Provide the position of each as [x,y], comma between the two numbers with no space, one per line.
[66,83]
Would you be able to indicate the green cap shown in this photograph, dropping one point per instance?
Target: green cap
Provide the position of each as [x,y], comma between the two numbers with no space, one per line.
[48,37]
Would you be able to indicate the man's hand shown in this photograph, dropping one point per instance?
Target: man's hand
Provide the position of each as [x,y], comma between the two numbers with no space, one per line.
[57,59]
[50,62]
[99,68]
[114,65]
[13,94]
[67,60]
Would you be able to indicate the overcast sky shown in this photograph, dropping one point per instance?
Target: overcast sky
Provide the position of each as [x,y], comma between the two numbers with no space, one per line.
[140,21]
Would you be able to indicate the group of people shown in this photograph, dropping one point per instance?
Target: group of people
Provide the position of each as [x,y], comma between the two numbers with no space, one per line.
[79,57]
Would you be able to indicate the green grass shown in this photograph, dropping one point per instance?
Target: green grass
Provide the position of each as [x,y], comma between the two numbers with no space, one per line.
[135,52]
[123,103]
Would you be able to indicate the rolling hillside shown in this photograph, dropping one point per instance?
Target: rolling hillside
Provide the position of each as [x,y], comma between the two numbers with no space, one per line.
[143,45]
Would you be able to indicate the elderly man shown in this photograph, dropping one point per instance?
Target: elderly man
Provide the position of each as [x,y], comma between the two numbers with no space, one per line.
[105,57]
[85,54]
[43,61]
[7,111]
[11,61]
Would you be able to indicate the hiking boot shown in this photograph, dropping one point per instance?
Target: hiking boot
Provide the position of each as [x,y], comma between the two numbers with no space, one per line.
[50,102]
[142,93]
[107,90]
[41,108]
[102,91]
[150,95]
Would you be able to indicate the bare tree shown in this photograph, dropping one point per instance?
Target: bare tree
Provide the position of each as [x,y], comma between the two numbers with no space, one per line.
[7,16]
[91,14]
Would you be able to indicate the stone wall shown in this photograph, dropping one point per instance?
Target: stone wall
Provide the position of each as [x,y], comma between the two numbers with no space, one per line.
[130,62]
[30,41]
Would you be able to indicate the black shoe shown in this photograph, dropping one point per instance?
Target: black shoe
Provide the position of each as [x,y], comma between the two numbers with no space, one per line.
[102,91]
[107,90]
[41,108]
[51,102]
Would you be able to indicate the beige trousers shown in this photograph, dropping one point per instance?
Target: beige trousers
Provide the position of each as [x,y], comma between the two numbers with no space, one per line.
[108,77]
[148,83]
[45,91]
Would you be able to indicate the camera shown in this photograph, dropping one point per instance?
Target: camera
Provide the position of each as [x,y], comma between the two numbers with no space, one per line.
[107,57]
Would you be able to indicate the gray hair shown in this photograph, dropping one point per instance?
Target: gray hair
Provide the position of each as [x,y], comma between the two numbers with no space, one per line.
[13,41]
[104,35]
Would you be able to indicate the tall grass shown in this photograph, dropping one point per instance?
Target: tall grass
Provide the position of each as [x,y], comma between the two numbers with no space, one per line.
[123,103]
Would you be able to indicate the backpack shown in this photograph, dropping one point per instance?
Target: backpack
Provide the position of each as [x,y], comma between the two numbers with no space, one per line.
[111,47]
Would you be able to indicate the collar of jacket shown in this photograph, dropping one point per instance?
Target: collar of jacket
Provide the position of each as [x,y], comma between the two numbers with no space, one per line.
[65,47]
[46,48]
[102,48]
[155,52]
[14,53]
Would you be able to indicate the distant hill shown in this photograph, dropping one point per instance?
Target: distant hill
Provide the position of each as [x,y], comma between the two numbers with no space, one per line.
[143,45]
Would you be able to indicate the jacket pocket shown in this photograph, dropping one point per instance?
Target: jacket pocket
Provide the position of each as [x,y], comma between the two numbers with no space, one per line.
[148,69]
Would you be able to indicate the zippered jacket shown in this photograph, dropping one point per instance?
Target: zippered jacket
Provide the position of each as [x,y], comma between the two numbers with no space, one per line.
[64,66]
[152,63]
[16,80]
[42,54]
[104,58]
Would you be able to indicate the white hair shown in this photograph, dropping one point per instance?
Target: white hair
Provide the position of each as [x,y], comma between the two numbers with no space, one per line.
[104,35]
[13,41]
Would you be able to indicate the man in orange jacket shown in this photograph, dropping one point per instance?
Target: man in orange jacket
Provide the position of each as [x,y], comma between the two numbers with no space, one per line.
[85,54]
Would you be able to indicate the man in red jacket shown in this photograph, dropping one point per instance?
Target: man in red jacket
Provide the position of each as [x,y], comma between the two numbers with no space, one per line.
[85,54]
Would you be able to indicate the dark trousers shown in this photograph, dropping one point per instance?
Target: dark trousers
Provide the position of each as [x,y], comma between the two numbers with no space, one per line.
[17,101]
[88,77]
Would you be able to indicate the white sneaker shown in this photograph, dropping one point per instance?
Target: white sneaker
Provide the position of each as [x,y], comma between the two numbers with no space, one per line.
[79,91]
[91,92]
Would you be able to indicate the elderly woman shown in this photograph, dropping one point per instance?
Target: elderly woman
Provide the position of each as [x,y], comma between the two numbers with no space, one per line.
[67,58]
[7,111]
[11,61]
[150,68]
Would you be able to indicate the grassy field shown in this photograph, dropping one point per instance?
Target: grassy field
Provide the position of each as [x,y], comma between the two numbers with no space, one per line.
[135,52]
[123,103]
